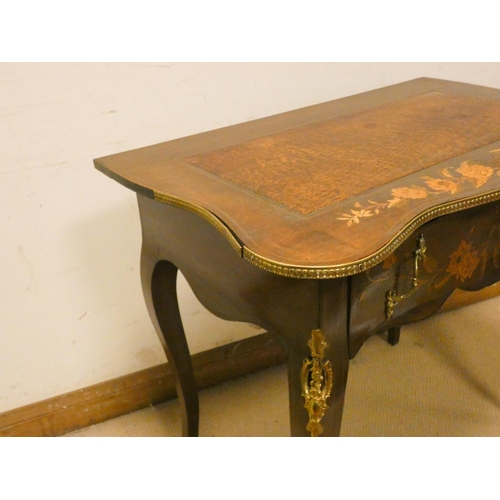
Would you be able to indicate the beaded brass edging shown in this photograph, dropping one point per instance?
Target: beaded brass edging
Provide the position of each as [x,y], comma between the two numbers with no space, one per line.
[329,272]
[203,213]
[359,266]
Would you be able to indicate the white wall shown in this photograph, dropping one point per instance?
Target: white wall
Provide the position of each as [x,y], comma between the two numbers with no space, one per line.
[71,309]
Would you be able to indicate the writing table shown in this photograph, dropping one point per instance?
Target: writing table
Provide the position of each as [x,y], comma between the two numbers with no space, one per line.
[323,225]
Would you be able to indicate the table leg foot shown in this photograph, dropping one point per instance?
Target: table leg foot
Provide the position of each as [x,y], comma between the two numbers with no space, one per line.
[393,335]
[160,292]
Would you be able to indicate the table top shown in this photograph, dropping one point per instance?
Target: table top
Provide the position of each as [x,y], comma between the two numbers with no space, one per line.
[332,189]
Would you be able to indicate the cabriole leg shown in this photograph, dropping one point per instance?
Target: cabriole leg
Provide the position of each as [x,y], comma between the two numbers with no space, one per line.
[160,291]
[318,365]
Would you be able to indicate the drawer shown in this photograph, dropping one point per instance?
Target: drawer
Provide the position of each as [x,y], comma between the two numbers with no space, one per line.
[462,250]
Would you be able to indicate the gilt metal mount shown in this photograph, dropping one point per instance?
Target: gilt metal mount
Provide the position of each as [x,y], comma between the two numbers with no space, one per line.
[392,297]
[317,381]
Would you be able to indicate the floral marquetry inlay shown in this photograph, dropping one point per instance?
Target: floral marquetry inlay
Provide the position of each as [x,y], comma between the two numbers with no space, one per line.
[449,180]
[463,261]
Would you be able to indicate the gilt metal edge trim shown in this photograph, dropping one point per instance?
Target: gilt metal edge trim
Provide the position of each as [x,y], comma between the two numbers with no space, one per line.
[352,268]
[203,213]
[335,271]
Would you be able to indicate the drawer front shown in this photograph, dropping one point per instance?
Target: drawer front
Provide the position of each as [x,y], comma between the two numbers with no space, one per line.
[462,250]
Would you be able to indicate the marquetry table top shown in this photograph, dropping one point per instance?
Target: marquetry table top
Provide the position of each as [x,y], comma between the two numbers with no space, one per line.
[331,189]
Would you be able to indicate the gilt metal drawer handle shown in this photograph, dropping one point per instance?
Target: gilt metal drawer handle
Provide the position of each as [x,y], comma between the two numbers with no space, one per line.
[392,297]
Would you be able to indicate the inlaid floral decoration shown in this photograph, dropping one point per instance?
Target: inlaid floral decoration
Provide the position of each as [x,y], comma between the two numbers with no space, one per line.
[473,256]
[449,180]
[469,259]
[463,261]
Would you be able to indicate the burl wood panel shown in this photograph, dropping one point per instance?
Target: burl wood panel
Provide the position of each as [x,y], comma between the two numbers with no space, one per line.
[315,166]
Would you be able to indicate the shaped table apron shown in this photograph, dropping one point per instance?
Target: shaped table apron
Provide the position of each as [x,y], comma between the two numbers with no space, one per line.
[321,323]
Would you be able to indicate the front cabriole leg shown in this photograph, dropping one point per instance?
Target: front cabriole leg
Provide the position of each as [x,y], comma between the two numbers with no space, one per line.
[318,363]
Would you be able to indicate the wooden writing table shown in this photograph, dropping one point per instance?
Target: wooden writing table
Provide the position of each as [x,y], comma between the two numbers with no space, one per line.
[323,225]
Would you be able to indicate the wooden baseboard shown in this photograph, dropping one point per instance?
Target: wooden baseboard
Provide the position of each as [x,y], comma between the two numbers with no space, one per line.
[101,402]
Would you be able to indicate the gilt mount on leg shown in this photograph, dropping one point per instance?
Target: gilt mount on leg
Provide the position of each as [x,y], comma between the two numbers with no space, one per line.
[317,381]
